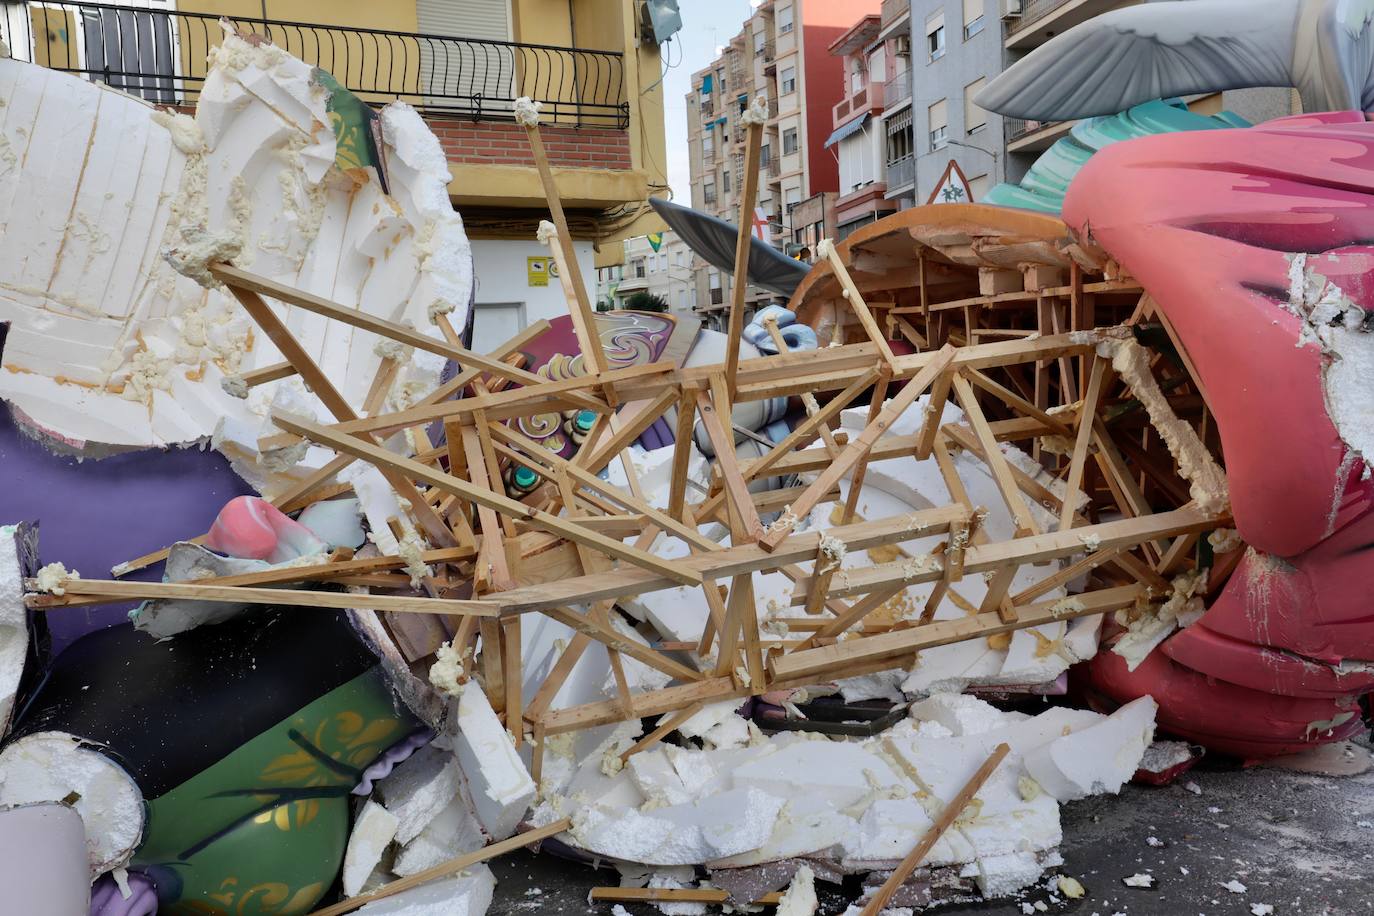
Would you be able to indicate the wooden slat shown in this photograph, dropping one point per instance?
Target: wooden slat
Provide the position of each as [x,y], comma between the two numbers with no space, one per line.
[112,590]
[380,457]
[859,447]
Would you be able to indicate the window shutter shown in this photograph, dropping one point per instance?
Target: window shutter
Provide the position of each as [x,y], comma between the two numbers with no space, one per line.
[939,116]
[973,9]
[974,116]
[935,22]
[485,20]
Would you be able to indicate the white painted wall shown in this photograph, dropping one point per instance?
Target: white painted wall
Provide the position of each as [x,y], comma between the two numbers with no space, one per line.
[502,277]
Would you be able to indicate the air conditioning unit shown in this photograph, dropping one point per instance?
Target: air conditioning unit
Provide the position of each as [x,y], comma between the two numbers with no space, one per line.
[902,43]
[1011,9]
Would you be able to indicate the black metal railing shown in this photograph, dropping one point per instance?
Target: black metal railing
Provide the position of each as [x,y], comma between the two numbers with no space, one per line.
[160,55]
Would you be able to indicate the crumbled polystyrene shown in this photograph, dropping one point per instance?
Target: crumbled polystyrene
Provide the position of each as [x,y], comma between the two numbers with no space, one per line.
[373,830]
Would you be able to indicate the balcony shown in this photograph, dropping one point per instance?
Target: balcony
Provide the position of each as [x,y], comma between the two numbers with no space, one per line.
[894,12]
[1033,136]
[868,98]
[901,173]
[897,89]
[159,56]
[1043,19]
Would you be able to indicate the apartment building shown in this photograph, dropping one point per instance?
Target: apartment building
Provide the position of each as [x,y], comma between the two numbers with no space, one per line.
[780,53]
[660,265]
[957,47]
[858,138]
[593,66]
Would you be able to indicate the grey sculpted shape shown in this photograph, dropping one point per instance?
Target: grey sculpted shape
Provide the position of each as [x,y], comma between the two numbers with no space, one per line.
[1323,48]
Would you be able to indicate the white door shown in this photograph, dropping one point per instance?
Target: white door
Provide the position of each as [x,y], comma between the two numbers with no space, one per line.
[494,323]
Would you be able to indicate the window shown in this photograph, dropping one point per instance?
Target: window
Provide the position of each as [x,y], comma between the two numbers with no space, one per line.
[765,155]
[725,180]
[791,197]
[784,20]
[760,42]
[935,37]
[708,144]
[789,80]
[939,121]
[974,20]
[638,265]
[708,192]
[789,141]
[899,143]
[975,118]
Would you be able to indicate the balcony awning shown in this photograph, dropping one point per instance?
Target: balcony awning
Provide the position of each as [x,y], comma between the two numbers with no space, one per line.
[707,82]
[846,130]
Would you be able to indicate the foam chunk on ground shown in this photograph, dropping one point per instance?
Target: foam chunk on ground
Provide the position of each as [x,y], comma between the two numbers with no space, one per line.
[468,894]
[842,773]
[453,832]
[960,713]
[372,833]
[419,788]
[500,786]
[806,826]
[890,828]
[711,828]
[1002,876]
[1097,759]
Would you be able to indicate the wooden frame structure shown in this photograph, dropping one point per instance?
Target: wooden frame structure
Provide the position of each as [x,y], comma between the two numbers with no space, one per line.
[1001,311]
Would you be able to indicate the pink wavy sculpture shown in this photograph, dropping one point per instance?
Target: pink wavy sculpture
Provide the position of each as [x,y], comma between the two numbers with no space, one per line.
[251,528]
[1210,223]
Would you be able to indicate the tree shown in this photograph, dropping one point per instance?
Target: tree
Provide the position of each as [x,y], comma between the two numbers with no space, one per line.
[644,301]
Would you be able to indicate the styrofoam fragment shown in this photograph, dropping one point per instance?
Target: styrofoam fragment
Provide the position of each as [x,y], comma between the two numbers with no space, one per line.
[14,627]
[468,894]
[1097,759]
[54,767]
[721,825]
[841,773]
[419,788]
[1001,876]
[500,786]
[454,831]
[960,713]
[373,831]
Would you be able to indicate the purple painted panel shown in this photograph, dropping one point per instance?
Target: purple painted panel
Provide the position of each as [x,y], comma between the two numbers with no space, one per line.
[93,514]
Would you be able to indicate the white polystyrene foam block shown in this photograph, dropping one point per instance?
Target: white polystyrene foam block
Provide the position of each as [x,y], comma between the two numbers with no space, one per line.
[419,788]
[806,826]
[92,302]
[335,521]
[960,713]
[1002,876]
[468,894]
[500,786]
[1097,759]
[373,830]
[14,626]
[711,828]
[453,832]
[53,767]
[655,777]
[841,773]
[889,828]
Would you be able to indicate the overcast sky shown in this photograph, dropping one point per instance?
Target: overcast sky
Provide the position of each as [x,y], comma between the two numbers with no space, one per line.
[706,24]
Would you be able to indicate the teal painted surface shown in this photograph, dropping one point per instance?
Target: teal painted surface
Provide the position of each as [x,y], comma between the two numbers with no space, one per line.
[1047,181]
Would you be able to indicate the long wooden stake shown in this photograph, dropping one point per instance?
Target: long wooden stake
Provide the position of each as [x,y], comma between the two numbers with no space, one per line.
[951,812]
[445,869]
[749,189]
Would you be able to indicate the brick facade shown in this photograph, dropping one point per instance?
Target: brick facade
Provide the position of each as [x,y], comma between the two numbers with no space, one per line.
[496,143]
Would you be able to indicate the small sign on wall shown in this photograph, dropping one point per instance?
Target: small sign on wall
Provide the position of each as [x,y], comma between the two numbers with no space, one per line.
[537,271]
